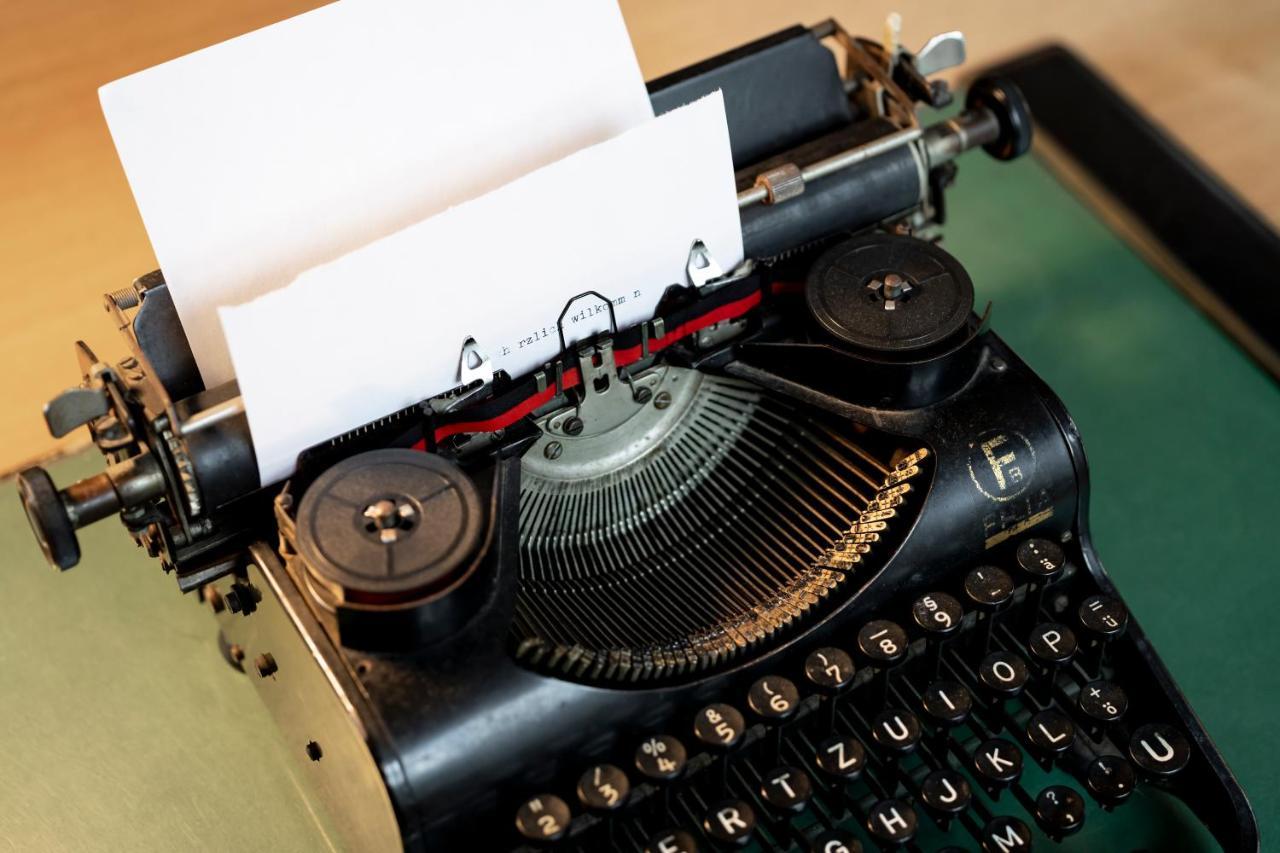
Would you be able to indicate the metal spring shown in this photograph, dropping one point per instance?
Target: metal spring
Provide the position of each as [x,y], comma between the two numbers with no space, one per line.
[124,297]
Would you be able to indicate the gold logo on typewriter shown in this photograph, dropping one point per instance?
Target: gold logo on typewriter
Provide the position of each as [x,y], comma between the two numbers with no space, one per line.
[1002,464]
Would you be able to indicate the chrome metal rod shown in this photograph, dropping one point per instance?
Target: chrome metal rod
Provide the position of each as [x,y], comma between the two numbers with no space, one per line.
[949,139]
[941,142]
[213,415]
[857,155]
[838,162]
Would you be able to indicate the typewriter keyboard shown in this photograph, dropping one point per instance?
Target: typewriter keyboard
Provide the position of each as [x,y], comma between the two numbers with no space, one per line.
[993,712]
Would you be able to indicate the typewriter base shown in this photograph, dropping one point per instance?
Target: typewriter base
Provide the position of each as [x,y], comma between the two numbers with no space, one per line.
[461,735]
[319,709]
[171,717]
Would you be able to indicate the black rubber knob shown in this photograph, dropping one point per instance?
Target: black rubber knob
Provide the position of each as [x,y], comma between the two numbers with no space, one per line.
[1006,101]
[49,520]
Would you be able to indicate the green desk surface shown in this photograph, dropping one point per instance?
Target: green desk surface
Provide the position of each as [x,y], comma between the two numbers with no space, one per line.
[122,729]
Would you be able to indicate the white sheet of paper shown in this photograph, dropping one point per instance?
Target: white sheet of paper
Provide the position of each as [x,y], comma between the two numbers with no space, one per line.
[383,327]
[268,154]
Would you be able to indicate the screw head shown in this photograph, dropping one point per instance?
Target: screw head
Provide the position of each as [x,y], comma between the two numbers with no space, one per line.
[573,426]
[662,399]
[893,285]
[382,513]
[643,395]
[388,519]
[553,450]
[241,598]
[890,289]
[213,598]
[266,665]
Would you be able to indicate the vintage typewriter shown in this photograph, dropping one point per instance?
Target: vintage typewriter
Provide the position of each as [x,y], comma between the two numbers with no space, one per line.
[802,563]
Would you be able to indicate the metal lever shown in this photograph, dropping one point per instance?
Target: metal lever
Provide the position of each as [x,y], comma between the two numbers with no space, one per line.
[701,268]
[943,51]
[475,374]
[74,408]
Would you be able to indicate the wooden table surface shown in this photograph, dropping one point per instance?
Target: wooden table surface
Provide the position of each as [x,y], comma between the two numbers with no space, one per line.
[69,230]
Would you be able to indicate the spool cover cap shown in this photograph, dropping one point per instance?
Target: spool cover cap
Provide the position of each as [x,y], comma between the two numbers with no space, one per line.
[889,293]
[390,522]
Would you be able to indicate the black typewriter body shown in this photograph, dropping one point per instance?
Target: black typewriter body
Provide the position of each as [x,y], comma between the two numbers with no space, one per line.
[819,576]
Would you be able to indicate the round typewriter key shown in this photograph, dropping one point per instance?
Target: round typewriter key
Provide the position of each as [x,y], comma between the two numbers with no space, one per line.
[1103,616]
[937,614]
[1003,674]
[988,588]
[1044,562]
[1042,559]
[1006,835]
[896,731]
[1111,779]
[773,698]
[603,788]
[730,822]
[1103,701]
[829,669]
[945,793]
[841,758]
[892,821]
[1052,643]
[660,758]
[947,703]
[836,841]
[1050,734]
[997,762]
[786,788]
[1059,811]
[671,841]
[545,817]
[719,727]
[882,642]
[1159,750]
